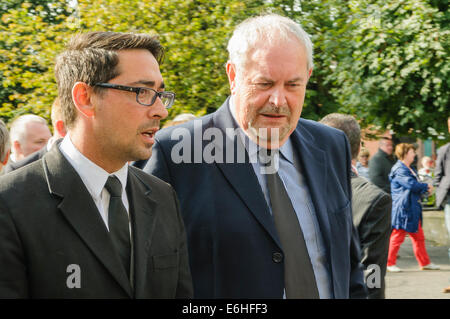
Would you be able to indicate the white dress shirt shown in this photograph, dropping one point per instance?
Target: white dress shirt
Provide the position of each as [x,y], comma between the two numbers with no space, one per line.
[94,177]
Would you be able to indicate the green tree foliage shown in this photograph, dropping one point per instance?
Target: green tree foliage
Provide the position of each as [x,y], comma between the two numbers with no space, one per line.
[394,68]
[31,34]
[384,61]
[194,33]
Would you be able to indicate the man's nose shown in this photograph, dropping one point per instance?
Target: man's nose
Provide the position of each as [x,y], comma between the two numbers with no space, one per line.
[158,110]
[278,97]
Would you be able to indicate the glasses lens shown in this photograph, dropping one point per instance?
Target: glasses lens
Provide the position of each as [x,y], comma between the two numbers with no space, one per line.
[167,99]
[146,96]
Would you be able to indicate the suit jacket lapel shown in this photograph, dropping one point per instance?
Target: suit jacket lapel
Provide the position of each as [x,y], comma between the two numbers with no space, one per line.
[143,214]
[241,175]
[78,207]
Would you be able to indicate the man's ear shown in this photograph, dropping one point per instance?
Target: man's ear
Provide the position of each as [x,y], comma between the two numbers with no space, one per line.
[310,73]
[82,96]
[6,157]
[231,72]
[60,128]
[17,147]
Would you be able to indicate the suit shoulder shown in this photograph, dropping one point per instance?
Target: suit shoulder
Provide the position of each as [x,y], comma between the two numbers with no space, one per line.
[150,179]
[28,174]
[165,134]
[363,187]
[316,130]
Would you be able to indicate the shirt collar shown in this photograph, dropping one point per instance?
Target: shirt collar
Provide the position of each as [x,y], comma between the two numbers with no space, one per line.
[93,176]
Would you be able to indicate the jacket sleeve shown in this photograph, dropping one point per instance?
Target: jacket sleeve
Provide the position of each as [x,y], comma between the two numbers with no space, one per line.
[439,170]
[409,182]
[184,289]
[13,272]
[374,233]
[358,289]
[375,172]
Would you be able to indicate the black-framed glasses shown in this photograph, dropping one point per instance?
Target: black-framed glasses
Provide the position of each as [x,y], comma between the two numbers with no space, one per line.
[144,96]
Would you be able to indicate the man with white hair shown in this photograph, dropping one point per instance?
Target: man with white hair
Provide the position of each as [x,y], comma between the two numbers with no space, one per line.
[59,131]
[29,133]
[254,231]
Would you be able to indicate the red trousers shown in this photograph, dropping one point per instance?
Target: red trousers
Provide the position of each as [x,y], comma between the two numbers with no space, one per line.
[418,241]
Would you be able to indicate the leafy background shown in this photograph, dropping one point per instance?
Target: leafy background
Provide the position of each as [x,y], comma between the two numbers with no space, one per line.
[385,62]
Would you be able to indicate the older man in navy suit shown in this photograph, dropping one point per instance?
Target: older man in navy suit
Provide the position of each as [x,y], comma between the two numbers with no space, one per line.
[265,195]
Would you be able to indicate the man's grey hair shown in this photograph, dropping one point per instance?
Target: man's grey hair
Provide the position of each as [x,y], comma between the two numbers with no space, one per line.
[270,28]
[5,143]
[349,126]
[18,126]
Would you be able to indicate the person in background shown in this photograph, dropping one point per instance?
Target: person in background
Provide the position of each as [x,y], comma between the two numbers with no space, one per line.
[426,172]
[59,131]
[362,165]
[381,163]
[5,145]
[371,208]
[29,133]
[442,184]
[426,175]
[407,209]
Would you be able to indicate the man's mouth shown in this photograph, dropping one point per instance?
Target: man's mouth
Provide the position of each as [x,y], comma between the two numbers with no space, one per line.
[274,116]
[149,134]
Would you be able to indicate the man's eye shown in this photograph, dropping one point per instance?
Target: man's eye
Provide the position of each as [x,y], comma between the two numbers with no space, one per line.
[263,84]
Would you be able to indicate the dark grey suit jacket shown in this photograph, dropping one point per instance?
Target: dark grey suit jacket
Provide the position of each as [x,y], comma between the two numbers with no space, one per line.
[379,168]
[49,221]
[372,218]
[442,174]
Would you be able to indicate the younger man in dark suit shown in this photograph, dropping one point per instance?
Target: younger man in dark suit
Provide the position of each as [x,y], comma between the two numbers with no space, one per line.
[81,223]
[371,211]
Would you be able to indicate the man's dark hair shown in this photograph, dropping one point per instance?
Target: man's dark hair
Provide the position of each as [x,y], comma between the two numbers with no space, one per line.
[349,126]
[92,58]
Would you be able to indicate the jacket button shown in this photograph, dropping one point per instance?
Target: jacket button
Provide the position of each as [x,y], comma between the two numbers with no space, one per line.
[277,257]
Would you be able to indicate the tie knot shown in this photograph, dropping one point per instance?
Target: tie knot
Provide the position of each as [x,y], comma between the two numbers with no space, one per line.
[269,160]
[114,186]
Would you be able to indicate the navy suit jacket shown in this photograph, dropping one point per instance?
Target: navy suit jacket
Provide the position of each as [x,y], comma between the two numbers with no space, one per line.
[234,248]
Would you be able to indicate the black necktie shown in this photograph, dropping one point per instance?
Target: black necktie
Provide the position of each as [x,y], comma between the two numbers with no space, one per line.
[299,279]
[118,222]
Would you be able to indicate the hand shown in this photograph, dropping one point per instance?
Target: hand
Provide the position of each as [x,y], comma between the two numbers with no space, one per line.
[430,188]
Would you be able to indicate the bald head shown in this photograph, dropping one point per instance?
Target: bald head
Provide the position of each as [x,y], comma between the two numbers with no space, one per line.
[29,133]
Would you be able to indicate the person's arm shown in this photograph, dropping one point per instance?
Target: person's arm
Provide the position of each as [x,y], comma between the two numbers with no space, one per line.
[409,182]
[376,172]
[374,231]
[184,288]
[358,289]
[13,272]
[439,170]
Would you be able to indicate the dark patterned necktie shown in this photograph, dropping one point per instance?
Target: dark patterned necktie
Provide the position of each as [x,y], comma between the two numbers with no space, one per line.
[118,222]
[300,282]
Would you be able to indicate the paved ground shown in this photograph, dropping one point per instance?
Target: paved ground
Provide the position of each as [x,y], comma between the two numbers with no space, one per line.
[414,283]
